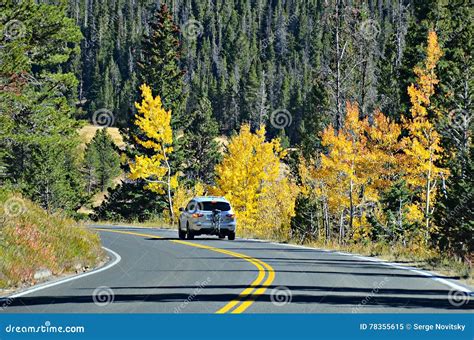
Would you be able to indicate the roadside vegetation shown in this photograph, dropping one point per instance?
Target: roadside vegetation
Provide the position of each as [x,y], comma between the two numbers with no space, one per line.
[31,240]
[361,141]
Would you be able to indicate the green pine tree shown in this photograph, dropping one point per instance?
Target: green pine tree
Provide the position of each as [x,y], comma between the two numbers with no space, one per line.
[199,142]
[37,98]
[102,161]
[454,215]
[160,65]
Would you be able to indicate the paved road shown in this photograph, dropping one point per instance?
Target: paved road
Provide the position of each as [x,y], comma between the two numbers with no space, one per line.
[159,273]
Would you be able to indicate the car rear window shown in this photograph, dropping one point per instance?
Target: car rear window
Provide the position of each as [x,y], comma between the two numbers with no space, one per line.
[214,205]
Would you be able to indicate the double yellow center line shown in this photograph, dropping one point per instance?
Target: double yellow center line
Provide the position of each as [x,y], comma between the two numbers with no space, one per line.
[265,277]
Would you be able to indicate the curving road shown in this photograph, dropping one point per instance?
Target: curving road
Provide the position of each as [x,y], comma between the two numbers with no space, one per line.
[154,272]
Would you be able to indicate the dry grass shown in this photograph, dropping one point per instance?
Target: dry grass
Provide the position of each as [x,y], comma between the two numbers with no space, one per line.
[32,240]
[87,133]
[156,223]
[222,141]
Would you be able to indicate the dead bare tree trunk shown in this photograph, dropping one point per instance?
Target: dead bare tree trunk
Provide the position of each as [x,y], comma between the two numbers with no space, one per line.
[326,221]
[341,227]
[339,56]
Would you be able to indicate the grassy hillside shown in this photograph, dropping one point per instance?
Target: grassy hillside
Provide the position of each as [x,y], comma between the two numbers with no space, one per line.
[32,240]
[87,133]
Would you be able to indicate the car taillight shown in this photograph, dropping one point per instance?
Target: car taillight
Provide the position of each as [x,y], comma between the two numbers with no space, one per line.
[231,216]
[196,215]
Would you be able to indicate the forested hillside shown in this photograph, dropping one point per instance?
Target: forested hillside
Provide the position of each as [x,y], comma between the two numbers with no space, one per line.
[341,122]
[250,58]
[293,63]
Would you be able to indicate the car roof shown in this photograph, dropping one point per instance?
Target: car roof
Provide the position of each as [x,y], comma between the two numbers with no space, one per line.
[210,198]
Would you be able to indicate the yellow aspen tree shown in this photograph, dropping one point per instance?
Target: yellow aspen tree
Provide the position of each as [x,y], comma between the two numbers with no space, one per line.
[251,177]
[386,162]
[384,150]
[277,207]
[155,124]
[362,161]
[422,145]
[345,171]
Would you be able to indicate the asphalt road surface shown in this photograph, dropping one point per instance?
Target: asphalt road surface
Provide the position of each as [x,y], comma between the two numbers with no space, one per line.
[154,272]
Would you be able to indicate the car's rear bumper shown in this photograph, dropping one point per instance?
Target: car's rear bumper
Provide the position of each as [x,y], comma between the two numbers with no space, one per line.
[208,228]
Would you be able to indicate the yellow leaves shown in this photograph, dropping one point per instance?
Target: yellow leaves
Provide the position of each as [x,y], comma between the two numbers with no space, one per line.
[422,146]
[155,187]
[361,228]
[154,123]
[421,92]
[362,161]
[252,178]
[173,181]
[346,162]
[383,131]
[276,208]
[414,213]
[433,51]
[306,173]
[250,161]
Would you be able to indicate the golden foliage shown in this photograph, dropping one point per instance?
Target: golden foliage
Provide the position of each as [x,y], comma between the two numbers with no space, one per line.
[422,146]
[421,92]
[251,177]
[154,123]
[365,159]
[361,161]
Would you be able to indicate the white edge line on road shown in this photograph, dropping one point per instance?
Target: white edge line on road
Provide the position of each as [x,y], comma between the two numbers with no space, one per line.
[380,261]
[45,285]
[418,271]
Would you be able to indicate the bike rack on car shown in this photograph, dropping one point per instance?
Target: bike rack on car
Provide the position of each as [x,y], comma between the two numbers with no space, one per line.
[216,221]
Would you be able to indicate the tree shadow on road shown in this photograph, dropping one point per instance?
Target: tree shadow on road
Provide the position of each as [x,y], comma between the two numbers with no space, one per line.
[358,303]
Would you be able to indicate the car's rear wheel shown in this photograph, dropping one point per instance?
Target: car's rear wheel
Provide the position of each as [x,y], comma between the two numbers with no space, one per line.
[231,236]
[189,233]
[181,233]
